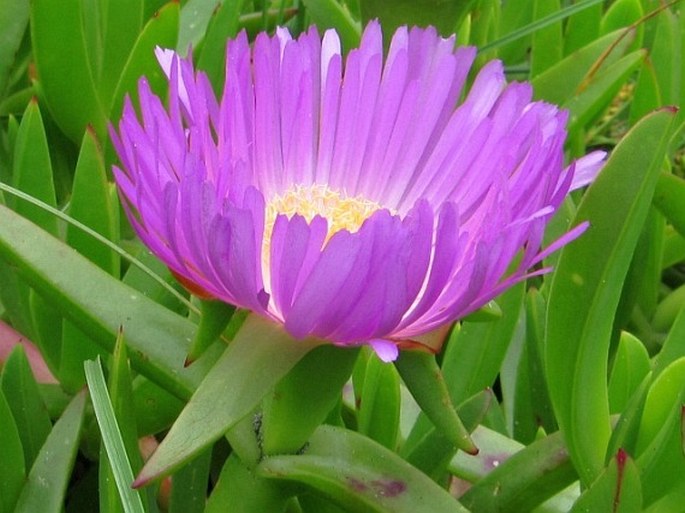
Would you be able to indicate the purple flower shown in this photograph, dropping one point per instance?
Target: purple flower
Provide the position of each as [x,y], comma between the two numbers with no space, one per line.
[360,201]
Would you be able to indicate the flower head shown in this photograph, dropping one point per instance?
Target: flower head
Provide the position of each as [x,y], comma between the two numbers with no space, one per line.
[360,201]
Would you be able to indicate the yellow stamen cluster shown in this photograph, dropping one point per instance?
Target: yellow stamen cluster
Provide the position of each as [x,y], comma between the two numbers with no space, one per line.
[340,211]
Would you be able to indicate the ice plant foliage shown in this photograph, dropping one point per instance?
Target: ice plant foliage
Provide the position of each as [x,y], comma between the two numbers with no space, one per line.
[360,200]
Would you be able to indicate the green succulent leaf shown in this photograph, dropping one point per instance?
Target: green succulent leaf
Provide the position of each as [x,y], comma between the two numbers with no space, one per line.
[246,371]
[617,489]
[522,480]
[65,72]
[585,290]
[13,468]
[360,475]
[46,485]
[26,404]
[100,305]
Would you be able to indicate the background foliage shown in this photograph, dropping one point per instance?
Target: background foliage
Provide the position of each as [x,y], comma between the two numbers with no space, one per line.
[572,386]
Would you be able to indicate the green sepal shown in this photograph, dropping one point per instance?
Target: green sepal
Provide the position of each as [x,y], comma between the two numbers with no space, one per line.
[214,317]
[304,397]
[430,450]
[378,415]
[261,354]
[424,379]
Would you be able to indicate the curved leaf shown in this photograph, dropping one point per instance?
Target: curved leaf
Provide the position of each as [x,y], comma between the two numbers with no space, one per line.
[100,305]
[260,355]
[360,475]
[523,480]
[586,288]
[47,482]
[617,490]
[13,469]
[64,67]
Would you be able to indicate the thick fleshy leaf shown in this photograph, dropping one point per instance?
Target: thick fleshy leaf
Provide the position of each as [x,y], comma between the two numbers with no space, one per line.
[90,188]
[631,365]
[195,16]
[600,89]
[32,174]
[32,171]
[13,468]
[121,393]
[24,400]
[674,345]
[240,490]
[162,31]
[445,16]
[189,490]
[627,427]
[360,475]
[523,382]
[622,14]
[561,82]
[617,489]
[47,481]
[660,445]
[155,408]
[260,355]
[14,18]
[669,198]
[332,14]
[100,305]
[547,47]
[519,481]
[64,68]
[223,25]
[121,23]
[585,290]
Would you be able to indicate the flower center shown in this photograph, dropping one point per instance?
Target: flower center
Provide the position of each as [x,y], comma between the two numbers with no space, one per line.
[342,212]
